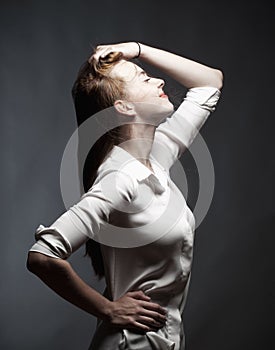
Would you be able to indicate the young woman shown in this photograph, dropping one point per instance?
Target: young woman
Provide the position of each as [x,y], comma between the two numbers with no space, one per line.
[146,252]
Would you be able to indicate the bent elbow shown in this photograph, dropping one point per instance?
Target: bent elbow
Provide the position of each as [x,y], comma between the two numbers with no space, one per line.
[37,262]
[219,79]
[33,262]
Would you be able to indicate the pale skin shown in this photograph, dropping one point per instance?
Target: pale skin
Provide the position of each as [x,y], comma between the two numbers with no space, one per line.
[134,310]
[149,90]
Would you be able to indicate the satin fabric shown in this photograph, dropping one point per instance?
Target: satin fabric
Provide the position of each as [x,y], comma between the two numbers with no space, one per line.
[145,227]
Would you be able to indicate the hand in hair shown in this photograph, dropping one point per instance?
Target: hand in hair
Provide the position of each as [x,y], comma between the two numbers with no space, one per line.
[129,50]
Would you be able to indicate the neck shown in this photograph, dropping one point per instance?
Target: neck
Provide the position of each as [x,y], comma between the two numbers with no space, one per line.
[140,142]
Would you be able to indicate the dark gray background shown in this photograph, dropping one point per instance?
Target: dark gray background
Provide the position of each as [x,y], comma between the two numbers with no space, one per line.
[43,44]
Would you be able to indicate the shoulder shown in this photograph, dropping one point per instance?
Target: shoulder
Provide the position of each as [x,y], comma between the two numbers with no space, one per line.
[113,182]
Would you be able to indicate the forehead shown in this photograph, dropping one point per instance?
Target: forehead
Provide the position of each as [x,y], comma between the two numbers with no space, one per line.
[126,70]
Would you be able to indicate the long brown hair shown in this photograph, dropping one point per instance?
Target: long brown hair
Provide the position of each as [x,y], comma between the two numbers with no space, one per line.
[93,91]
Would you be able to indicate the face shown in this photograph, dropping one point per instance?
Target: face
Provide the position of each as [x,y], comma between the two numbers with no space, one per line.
[144,92]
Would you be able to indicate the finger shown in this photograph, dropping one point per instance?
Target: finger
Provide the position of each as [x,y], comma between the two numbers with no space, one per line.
[151,322]
[105,53]
[139,295]
[156,316]
[154,307]
[98,54]
[140,326]
[100,50]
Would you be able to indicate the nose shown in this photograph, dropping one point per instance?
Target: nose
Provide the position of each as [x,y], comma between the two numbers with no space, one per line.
[161,83]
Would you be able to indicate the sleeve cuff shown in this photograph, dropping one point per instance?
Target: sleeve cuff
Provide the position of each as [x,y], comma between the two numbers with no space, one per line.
[51,242]
[206,97]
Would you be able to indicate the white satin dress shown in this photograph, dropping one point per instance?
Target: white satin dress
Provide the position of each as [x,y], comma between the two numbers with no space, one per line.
[144,225]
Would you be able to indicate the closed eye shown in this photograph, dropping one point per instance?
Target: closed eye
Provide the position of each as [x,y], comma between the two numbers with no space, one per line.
[145,75]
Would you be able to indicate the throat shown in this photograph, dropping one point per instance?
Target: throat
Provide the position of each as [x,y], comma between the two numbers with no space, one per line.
[149,166]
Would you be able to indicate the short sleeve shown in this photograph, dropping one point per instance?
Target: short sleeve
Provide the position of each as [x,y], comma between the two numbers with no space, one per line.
[84,219]
[178,131]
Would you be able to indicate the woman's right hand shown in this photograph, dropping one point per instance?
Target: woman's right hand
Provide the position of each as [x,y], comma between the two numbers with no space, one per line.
[129,50]
[134,310]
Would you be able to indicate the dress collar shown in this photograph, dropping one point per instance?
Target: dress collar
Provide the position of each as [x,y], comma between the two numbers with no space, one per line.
[130,165]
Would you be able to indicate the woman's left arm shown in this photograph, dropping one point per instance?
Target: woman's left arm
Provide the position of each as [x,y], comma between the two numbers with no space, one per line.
[204,83]
[187,72]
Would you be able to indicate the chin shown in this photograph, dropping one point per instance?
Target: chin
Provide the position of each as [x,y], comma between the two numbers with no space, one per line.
[162,116]
[156,113]
[169,109]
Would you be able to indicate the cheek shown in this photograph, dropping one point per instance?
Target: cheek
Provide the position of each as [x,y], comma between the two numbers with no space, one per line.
[138,93]
[140,96]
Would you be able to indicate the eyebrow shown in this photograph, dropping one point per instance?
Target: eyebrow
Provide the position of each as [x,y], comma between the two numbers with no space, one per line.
[142,72]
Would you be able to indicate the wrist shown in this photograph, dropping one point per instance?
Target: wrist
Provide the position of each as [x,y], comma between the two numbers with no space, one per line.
[143,50]
[107,311]
[138,49]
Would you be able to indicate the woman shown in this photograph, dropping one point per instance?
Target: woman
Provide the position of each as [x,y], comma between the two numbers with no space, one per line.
[147,270]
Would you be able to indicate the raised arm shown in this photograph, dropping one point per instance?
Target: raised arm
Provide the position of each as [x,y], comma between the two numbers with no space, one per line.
[187,72]
[177,133]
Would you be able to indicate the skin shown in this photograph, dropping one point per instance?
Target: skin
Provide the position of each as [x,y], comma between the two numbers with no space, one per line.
[145,108]
[187,72]
[144,104]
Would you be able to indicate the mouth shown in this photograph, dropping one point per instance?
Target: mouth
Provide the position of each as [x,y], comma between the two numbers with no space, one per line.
[163,95]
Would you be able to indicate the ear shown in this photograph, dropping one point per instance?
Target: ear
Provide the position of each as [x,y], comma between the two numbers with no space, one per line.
[125,107]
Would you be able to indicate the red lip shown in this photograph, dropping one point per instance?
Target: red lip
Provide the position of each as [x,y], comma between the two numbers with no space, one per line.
[163,96]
